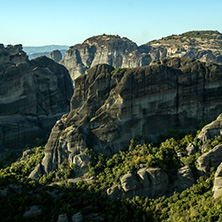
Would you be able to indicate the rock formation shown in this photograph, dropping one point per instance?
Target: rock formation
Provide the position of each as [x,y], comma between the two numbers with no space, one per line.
[218,182]
[211,130]
[202,45]
[123,53]
[56,55]
[148,182]
[109,107]
[12,54]
[33,95]
[210,159]
[109,49]
[185,179]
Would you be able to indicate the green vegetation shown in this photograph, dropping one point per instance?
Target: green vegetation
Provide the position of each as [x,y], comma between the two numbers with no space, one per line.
[193,204]
[201,34]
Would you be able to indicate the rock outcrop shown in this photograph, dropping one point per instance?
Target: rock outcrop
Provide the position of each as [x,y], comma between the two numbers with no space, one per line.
[12,54]
[33,96]
[185,179]
[56,55]
[109,49]
[148,182]
[211,130]
[217,189]
[111,106]
[33,212]
[210,159]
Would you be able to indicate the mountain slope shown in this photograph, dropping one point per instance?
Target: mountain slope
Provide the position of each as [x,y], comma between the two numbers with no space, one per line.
[111,106]
[202,45]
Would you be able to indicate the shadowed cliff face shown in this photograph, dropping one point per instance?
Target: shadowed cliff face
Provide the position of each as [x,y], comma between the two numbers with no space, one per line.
[109,107]
[33,95]
[109,49]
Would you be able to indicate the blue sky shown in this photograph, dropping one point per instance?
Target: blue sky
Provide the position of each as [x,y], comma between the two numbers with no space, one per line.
[68,22]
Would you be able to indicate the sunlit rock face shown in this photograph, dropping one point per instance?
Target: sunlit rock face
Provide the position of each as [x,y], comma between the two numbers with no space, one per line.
[109,49]
[109,107]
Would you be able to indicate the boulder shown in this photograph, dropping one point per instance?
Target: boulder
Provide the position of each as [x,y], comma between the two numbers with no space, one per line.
[146,182]
[33,212]
[210,159]
[217,189]
[63,218]
[129,182]
[185,179]
[78,217]
[159,181]
[34,175]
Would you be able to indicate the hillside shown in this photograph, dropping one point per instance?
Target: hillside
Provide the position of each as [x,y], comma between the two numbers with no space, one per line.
[203,45]
[205,40]
[91,198]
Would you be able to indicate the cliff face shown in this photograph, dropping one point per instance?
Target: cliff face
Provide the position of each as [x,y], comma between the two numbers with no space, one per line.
[33,95]
[112,50]
[109,107]
[123,53]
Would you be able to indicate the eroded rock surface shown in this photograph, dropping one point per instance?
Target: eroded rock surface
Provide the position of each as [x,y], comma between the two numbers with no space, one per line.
[109,107]
[217,189]
[33,96]
[210,159]
[211,130]
[185,179]
[109,49]
[13,54]
[148,182]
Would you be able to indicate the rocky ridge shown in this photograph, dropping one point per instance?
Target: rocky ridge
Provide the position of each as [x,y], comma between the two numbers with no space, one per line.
[33,95]
[111,106]
[110,49]
[123,53]
[202,45]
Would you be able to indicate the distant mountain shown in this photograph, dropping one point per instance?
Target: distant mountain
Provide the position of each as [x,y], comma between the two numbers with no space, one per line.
[124,53]
[110,49]
[36,51]
[203,45]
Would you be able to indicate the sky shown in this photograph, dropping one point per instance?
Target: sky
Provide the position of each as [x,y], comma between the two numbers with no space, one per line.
[68,22]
